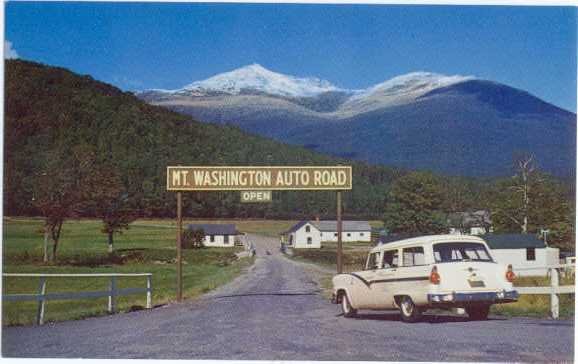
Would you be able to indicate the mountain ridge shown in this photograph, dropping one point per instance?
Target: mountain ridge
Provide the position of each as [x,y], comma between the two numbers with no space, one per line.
[456,124]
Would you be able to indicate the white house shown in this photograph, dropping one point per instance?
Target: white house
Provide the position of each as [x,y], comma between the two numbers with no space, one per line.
[217,235]
[523,251]
[302,235]
[310,234]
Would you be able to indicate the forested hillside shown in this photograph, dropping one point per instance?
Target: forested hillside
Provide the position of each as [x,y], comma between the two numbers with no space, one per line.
[52,113]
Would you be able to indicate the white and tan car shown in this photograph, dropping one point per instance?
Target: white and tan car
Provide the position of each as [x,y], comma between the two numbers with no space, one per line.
[438,271]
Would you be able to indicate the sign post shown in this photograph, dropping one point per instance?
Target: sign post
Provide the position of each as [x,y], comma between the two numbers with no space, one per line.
[339,231]
[256,184]
[179,246]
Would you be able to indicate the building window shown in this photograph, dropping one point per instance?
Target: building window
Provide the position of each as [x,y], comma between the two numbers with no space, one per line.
[309,241]
[307,229]
[335,234]
[360,234]
[226,239]
[530,253]
[348,235]
[212,238]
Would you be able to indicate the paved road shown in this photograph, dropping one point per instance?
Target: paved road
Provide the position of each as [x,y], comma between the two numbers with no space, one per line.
[275,312]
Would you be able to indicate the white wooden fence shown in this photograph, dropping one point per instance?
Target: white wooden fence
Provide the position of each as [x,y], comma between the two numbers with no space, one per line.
[111,293]
[554,289]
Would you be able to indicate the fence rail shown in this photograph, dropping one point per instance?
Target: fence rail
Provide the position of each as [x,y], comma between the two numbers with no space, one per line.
[554,289]
[111,293]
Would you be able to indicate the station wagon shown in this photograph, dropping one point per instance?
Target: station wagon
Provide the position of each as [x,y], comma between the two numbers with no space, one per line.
[417,274]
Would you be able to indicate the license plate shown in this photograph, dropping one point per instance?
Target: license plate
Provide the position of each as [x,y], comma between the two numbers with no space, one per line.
[476,283]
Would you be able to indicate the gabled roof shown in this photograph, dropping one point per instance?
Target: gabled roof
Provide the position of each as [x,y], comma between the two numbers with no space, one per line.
[513,241]
[215,229]
[298,226]
[331,225]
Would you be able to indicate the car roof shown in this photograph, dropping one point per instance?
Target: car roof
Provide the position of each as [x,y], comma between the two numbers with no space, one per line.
[428,239]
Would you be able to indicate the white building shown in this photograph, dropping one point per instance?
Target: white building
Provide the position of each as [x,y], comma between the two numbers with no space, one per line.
[523,251]
[217,235]
[302,235]
[310,234]
[351,231]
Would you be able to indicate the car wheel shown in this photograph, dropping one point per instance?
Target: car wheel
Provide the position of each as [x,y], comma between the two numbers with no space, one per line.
[478,312]
[346,308]
[409,311]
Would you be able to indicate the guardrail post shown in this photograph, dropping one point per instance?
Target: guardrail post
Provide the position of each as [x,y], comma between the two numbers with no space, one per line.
[149,292]
[554,299]
[41,301]
[111,296]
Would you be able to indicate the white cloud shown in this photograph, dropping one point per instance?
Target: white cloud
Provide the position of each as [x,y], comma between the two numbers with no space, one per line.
[9,52]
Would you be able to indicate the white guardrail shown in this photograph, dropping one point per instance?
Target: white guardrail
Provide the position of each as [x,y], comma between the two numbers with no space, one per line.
[111,293]
[554,289]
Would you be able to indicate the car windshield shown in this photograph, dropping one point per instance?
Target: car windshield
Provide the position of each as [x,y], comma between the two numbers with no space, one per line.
[460,251]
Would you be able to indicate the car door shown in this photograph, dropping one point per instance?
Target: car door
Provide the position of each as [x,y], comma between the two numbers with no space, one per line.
[384,280]
[413,274]
[361,292]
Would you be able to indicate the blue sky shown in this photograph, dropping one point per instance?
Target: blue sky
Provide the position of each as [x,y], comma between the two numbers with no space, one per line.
[154,45]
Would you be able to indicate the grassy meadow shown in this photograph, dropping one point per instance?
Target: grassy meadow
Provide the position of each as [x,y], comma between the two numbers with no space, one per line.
[144,248]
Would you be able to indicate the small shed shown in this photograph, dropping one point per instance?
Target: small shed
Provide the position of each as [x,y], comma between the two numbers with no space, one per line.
[217,235]
[523,251]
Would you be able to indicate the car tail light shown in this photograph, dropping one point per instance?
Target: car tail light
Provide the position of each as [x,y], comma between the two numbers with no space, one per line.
[434,276]
[510,275]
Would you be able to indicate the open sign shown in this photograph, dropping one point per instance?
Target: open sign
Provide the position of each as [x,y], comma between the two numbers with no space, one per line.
[256,196]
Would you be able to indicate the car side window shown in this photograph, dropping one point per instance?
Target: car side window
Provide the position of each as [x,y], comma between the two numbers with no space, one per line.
[372,261]
[390,259]
[413,256]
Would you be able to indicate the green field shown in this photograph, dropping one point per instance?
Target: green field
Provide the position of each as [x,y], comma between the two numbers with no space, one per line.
[270,228]
[537,305]
[83,249]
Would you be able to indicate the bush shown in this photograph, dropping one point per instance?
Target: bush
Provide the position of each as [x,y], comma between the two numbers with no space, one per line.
[192,239]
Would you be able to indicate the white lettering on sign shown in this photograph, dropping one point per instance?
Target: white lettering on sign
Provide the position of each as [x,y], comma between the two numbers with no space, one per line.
[202,178]
[256,196]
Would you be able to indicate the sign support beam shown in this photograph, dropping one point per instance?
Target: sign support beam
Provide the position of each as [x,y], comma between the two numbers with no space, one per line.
[179,246]
[339,233]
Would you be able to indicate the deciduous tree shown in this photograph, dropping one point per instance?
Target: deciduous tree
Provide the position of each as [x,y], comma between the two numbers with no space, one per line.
[414,205]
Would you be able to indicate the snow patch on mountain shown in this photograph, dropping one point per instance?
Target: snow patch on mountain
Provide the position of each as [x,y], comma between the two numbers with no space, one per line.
[398,90]
[415,82]
[257,78]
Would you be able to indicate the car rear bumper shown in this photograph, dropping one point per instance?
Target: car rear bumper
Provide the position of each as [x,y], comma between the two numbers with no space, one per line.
[457,299]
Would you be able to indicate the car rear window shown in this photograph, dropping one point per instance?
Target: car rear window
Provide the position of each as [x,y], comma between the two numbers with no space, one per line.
[461,251]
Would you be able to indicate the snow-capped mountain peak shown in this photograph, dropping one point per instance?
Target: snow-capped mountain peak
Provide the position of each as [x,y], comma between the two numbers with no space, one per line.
[413,83]
[398,90]
[257,78]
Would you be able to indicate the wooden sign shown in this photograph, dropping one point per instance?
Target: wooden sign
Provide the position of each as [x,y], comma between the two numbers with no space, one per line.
[256,196]
[202,178]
